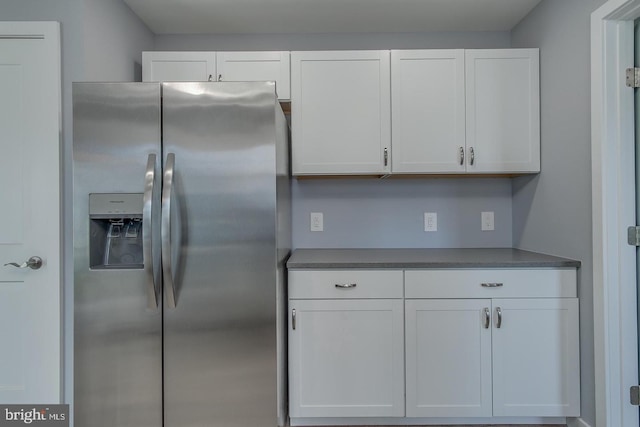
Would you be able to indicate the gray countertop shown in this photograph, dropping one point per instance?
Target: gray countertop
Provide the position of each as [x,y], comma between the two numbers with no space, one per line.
[424,258]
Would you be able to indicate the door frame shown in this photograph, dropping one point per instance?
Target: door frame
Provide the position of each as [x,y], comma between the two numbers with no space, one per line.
[49,31]
[613,206]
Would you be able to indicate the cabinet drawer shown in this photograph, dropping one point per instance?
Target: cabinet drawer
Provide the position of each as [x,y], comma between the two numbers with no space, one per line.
[345,284]
[491,283]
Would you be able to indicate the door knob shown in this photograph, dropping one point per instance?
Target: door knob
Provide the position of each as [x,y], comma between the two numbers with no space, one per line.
[34,263]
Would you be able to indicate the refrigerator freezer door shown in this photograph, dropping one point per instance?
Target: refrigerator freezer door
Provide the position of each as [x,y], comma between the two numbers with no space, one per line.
[220,339]
[117,337]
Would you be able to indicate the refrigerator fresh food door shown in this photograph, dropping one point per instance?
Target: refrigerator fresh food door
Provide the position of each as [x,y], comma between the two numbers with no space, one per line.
[220,319]
[118,323]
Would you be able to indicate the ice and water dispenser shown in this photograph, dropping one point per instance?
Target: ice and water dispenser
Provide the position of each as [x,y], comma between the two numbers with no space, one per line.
[115,240]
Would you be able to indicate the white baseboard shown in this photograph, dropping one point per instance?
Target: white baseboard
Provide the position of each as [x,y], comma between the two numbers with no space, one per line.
[403,421]
[577,422]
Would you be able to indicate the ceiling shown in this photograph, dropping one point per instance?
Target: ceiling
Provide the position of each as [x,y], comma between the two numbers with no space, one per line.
[328,16]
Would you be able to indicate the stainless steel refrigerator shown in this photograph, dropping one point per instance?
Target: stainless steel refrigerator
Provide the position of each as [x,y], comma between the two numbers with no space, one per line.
[181,230]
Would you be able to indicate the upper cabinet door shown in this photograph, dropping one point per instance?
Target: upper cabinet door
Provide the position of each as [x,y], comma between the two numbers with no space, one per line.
[428,111]
[340,109]
[178,66]
[503,110]
[256,66]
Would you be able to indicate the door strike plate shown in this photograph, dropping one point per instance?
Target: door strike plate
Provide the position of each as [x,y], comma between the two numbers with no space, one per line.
[635,395]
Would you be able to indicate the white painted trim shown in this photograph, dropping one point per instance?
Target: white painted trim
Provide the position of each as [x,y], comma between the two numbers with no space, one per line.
[613,198]
[50,33]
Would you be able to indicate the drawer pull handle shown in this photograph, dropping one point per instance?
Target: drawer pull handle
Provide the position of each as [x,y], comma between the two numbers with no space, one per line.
[491,285]
[487,318]
[499,321]
[346,285]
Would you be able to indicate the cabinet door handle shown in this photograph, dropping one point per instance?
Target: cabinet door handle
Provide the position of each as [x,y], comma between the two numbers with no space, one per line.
[491,285]
[346,285]
[219,77]
[499,319]
[487,318]
[386,156]
[293,319]
[461,156]
[472,156]
[210,77]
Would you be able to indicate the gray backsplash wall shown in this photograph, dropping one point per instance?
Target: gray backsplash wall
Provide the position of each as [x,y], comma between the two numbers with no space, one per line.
[372,212]
[389,213]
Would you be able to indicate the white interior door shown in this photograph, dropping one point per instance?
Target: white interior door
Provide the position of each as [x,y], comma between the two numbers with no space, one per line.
[30,319]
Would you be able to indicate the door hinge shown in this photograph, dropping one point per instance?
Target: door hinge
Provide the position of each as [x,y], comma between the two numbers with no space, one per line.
[633,235]
[633,77]
[635,395]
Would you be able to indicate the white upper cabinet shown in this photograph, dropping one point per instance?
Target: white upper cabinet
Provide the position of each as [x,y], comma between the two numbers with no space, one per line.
[255,66]
[218,66]
[340,109]
[178,66]
[453,111]
[428,111]
[503,110]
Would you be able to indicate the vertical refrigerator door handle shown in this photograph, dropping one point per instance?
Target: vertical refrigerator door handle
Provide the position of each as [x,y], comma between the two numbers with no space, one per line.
[147,232]
[167,273]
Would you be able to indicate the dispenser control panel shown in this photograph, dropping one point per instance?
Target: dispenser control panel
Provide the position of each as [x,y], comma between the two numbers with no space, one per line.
[109,205]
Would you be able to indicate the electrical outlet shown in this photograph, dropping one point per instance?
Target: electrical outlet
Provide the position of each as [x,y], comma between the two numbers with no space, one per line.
[316,221]
[487,221]
[430,221]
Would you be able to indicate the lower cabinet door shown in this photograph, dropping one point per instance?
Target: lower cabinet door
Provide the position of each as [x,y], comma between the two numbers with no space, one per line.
[346,358]
[536,369]
[448,351]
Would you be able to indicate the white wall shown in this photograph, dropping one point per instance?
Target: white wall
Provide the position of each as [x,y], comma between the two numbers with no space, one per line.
[552,211]
[114,39]
[434,40]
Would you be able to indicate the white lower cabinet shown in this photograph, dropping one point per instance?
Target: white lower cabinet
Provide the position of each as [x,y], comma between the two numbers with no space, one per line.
[346,344]
[521,352]
[492,342]
[487,344]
